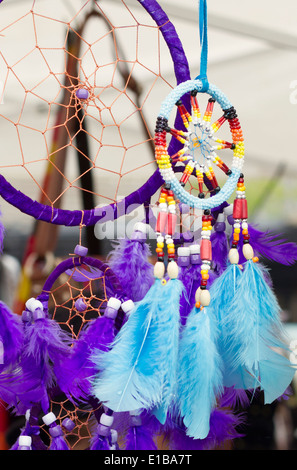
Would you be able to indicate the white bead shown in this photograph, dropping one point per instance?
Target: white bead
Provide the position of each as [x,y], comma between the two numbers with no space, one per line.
[172,209]
[244,225]
[197,295]
[195,249]
[205,298]
[25,441]
[32,304]
[233,256]
[159,270]
[206,233]
[140,227]
[236,225]
[221,217]
[106,420]
[127,306]
[160,239]
[172,270]
[114,303]
[113,436]
[49,418]
[169,240]
[205,267]
[183,251]
[163,206]
[248,251]
[228,210]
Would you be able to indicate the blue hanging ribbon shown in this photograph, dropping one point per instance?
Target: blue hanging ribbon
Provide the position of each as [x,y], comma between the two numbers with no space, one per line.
[204,45]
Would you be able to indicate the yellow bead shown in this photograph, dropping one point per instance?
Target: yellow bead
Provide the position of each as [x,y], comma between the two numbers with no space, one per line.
[237,230]
[160,245]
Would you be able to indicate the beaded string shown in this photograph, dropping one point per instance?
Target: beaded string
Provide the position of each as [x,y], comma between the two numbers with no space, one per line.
[240,226]
[165,229]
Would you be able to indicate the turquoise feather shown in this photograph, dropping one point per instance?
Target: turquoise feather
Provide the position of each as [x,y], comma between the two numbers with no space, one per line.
[223,300]
[139,370]
[258,334]
[200,374]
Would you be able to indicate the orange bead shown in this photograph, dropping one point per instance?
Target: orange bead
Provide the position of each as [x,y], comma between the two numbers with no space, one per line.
[197,304]
[236,236]
[159,250]
[205,276]
[171,251]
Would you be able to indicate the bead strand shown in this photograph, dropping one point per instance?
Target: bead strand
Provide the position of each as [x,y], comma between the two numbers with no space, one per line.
[202,296]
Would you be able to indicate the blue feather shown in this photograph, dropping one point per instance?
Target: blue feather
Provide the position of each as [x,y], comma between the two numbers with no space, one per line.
[200,376]
[259,335]
[223,298]
[139,370]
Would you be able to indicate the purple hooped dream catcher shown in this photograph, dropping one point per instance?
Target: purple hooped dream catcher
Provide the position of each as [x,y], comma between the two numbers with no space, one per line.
[171,349]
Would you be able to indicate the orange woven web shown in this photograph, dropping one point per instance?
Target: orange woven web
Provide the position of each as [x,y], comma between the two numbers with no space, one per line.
[99,47]
[53,142]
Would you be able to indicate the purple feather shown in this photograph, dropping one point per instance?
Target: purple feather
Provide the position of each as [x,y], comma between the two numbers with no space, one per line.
[220,251]
[129,262]
[99,442]
[270,246]
[223,428]
[77,370]
[140,435]
[11,336]
[2,232]
[45,348]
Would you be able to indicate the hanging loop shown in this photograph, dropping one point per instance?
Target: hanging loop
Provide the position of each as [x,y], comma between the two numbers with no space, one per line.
[204,44]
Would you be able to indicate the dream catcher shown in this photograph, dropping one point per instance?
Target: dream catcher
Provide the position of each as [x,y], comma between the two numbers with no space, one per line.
[127,354]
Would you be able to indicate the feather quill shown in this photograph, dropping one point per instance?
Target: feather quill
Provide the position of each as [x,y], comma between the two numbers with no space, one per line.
[139,370]
[200,372]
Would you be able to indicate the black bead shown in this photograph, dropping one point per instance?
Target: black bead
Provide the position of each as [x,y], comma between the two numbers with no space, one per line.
[229,172]
[201,195]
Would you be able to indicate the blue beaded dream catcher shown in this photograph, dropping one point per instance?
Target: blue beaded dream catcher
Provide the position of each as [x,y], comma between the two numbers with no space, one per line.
[166,351]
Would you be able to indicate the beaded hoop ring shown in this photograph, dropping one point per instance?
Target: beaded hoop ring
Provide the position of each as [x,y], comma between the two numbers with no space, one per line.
[202,137]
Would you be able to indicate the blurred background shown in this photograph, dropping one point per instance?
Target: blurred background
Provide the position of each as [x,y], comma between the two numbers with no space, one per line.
[252,58]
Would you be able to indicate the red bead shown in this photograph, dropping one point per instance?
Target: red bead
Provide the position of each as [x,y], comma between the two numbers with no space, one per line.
[205,250]
[161,222]
[172,218]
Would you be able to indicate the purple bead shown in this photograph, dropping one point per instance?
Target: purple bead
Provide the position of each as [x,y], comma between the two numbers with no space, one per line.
[80,305]
[56,431]
[38,314]
[81,250]
[184,208]
[68,424]
[138,236]
[26,316]
[183,260]
[82,94]
[230,219]
[195,259]
[103,430]
[136,420]
[220,227]
[110,313]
